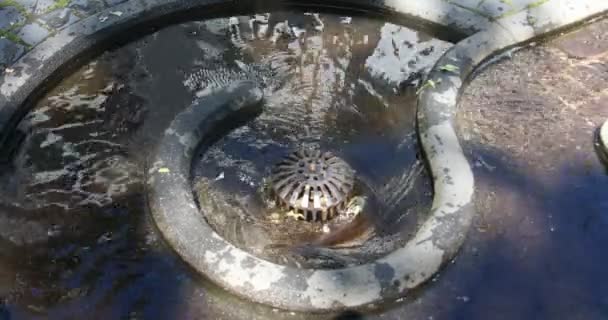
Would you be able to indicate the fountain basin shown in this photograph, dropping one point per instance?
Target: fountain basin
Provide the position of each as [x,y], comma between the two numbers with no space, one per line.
[387,278]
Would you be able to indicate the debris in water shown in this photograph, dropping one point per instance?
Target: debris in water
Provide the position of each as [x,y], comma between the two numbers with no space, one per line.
[106,237]
[275,217]
[346,20]
[449,68]
[295,215]
[482,163]
[355,206]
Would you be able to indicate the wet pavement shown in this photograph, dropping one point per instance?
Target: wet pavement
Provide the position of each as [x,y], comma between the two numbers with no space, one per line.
[529,125]
[73,199]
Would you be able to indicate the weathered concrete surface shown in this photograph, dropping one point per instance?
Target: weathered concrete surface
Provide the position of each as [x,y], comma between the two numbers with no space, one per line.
[585,43]
[33,33]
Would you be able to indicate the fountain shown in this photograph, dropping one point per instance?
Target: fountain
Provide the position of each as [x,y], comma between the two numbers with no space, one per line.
[282,157]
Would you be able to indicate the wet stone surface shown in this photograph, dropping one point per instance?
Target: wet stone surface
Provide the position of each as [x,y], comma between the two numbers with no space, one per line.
[473,14]
[337,87]
[33,33]
[73,197]
[58,19]
[9,16]
[9,52]
[87,7]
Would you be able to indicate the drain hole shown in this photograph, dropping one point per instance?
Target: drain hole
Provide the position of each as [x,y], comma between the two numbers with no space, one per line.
[317,185]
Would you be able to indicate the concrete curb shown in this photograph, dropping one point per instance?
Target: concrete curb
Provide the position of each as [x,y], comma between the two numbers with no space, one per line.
[602,142]
[436,242]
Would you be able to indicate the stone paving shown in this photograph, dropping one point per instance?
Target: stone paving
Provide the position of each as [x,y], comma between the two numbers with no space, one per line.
[25,23]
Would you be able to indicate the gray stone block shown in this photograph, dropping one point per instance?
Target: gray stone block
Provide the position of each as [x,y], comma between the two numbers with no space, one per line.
[36,6]
[87,7]
[9,52]
[29,5]
[33,33]
[10,16]
[59,18]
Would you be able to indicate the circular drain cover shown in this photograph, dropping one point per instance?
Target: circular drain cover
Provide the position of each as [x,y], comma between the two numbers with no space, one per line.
[314,184]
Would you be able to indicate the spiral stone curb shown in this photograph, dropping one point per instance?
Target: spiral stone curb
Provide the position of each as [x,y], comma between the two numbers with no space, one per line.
[170,195]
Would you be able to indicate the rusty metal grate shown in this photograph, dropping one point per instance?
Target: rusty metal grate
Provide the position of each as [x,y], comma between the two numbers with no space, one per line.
[316,184]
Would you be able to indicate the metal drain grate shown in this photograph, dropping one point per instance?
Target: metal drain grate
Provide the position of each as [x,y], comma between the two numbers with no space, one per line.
[315,184]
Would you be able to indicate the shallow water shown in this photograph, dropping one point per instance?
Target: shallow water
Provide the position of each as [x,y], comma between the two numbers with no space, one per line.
[76,238]
[329,90]
[87,250]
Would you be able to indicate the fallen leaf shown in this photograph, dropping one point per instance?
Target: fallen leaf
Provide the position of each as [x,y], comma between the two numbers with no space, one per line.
[449,68]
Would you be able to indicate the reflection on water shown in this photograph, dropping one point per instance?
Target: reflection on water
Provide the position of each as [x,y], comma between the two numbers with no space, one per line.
[338,85]
[75,238]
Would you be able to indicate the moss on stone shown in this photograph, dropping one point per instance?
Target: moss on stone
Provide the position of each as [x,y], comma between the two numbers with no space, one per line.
[59,4]
[12,37]
[14,4]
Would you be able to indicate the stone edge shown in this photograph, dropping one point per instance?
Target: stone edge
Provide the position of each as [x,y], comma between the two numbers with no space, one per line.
[602,142]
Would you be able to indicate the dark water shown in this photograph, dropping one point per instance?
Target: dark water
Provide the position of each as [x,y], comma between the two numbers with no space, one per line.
[75,238]
[329,90]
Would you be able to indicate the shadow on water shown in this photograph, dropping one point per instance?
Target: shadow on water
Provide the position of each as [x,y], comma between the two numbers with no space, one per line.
[95,263]
[349,315]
